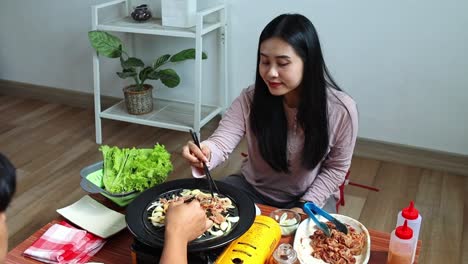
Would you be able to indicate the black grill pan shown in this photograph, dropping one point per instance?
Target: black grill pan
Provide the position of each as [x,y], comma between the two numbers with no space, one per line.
[142,229]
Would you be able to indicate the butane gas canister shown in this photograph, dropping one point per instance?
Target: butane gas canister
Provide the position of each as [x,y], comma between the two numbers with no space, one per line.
[254,246]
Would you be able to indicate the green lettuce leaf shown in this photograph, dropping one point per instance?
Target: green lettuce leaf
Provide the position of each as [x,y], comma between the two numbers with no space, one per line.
[127,170]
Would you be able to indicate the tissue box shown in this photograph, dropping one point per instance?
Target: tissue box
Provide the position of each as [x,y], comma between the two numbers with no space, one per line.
[179,13]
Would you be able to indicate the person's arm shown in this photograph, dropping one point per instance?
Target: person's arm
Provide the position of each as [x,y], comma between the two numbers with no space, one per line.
[183,223]
[3,237]
[335,166]
[175,250]
[221,143]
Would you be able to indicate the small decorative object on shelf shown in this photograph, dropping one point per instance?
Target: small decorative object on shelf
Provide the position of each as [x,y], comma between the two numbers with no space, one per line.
[141,13]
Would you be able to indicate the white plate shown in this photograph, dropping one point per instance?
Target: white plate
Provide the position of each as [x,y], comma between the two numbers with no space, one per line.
[257,210]
[94,217]
[307,228]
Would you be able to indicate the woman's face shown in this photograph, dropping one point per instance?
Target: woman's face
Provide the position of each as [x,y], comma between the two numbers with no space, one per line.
[281,69]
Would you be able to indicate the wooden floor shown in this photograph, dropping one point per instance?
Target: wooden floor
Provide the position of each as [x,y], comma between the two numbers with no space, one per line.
[51,143]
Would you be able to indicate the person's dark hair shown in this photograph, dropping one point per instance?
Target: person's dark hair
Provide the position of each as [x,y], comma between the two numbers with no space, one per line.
[7,182]
[268,120]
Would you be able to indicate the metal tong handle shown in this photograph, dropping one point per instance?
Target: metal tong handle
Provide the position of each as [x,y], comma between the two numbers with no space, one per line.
[205,167]
[317,210]
[322,226]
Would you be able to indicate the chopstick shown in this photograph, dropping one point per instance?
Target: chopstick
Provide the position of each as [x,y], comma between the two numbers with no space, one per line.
[205,167]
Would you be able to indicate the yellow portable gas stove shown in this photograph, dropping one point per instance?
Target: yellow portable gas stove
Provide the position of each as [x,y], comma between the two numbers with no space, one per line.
[255,246]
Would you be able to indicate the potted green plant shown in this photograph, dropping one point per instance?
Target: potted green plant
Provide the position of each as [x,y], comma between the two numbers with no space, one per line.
[139,96]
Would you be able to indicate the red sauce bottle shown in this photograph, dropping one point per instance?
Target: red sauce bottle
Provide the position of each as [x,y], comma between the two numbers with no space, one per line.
[401,245]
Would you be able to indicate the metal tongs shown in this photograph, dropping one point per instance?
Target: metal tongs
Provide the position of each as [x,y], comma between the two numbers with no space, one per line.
[311,209]
[205,167]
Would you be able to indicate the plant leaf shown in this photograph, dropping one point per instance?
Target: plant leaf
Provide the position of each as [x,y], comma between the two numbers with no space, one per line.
[105,43]
[144,73]
[154,75]
[134,169]
[169,78]
[126,73]
[132,62]
[161,60]
[186,55]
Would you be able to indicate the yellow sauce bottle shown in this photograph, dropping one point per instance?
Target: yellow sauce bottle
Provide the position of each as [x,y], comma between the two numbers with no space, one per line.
[255,246]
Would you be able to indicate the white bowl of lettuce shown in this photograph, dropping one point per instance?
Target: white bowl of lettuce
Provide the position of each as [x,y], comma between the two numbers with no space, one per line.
[125,172]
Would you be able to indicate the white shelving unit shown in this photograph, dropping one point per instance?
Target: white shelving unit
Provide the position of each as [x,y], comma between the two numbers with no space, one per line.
[170,114]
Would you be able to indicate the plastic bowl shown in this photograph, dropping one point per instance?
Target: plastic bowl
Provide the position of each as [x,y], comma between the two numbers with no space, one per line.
[287,219]
[92,182]
[122,199]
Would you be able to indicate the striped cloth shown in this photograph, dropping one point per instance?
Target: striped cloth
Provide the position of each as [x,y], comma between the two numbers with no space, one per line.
[63,243]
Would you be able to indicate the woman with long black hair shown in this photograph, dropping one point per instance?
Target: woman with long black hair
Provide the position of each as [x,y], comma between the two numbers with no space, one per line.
[300,127]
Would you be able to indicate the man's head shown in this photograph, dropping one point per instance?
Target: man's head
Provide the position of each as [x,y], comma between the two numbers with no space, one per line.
[7,190]
[7,182]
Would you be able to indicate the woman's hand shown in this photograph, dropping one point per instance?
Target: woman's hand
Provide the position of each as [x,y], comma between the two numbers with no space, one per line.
[186,221]
[195,156]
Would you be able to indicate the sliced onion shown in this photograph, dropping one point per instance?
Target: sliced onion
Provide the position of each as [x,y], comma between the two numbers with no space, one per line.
[233,219]
[216,233]
[224,226]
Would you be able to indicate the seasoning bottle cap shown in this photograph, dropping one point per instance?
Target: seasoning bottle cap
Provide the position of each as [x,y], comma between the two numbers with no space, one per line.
[410,212]
[285,254]
[404,232]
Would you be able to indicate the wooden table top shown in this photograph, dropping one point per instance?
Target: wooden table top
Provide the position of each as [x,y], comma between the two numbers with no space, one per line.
[117,247]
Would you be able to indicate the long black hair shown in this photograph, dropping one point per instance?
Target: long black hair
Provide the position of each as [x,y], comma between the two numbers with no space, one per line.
[268,119]
[7,182]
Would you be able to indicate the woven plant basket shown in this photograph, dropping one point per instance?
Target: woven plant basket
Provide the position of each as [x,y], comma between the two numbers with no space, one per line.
[139,102]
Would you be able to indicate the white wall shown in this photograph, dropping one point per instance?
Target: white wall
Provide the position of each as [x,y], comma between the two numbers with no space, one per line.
[404,62]
[49,46]
[46,43]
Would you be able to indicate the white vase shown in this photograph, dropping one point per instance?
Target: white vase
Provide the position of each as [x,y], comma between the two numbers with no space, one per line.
[178,13]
